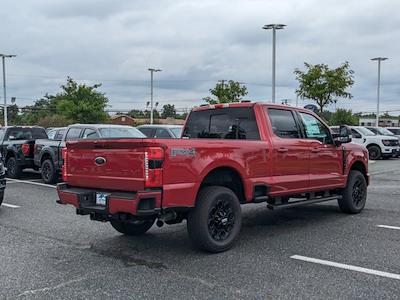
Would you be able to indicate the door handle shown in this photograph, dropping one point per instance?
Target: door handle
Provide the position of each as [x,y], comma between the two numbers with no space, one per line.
[282,150]
[314,150]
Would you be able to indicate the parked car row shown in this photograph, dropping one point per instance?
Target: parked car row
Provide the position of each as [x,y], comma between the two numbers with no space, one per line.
[380,142]
[32,147]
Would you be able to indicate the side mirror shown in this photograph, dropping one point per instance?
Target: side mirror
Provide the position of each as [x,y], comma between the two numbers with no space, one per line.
[344,135]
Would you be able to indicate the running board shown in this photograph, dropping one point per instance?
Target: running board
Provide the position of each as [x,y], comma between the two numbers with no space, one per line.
[303,202]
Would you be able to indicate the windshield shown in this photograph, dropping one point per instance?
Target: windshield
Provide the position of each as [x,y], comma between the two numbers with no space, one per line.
[365,131]
[384,131]
[177,132]
[120,132]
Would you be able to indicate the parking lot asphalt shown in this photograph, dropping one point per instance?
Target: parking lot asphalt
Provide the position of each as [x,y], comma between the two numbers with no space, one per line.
[310,252]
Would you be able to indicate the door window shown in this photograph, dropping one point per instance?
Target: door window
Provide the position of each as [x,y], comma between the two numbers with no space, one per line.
[59,135]
[315,129]
[355,134]
[51,134]
[90,133]
[147,132]
[162,133]
[283,123]
[73,134]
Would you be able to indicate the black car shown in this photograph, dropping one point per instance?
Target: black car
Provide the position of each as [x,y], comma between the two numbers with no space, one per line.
[16,146]
[48,152]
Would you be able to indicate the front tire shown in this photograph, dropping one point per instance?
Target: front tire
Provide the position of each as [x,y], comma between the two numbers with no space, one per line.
[48,172]
[13,169]
[354,195]
[374,152]
[132,228]
[215,222]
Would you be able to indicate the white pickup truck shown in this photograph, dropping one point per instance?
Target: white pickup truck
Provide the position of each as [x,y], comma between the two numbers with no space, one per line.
[379,146]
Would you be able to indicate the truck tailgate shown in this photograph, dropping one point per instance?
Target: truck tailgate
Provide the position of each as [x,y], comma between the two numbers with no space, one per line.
[106,164]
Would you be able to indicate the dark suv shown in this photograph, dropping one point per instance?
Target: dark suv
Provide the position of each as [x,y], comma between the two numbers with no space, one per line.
[16,147]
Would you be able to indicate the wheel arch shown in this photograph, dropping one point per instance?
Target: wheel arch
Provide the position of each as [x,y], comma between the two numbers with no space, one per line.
[226,176]
[360,166]
[373,144]
[46,155]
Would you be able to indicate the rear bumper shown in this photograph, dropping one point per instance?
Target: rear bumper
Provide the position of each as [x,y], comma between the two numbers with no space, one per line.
[141,203]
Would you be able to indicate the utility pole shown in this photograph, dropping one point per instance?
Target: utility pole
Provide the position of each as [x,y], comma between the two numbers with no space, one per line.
[379,59]
[152,70]
[222,82]
[274,28]
[4,56]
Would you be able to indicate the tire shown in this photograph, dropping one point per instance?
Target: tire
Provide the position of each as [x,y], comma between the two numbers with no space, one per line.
[48,172]
[132,228]
[354,195]
[13,169]
[374,152]
[215,222]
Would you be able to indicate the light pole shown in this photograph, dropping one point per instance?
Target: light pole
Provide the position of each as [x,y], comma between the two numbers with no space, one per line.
[379,59]
[152,70]
[274,28]
[4,56]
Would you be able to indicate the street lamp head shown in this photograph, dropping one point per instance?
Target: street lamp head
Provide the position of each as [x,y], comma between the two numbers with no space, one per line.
[274,26]
[379,58]
[154,70]
[7,55]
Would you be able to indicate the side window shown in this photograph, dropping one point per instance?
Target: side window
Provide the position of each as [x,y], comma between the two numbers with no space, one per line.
[52,134]
[73,134]
[162,133]
[59,135]
[283,123]
[146,131]
[355,134]
[90,134]
[315,129]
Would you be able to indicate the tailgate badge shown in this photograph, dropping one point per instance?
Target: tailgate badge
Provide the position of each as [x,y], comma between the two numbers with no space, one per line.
[100,160]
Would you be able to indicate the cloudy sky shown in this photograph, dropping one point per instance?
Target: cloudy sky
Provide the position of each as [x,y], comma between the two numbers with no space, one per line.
[196,43]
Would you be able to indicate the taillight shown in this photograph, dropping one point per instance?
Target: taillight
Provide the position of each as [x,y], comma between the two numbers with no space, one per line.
[64,165]
[26,149]
[153,163]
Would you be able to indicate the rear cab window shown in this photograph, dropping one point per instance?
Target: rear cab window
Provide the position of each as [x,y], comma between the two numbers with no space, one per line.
[222,123]
[26,134]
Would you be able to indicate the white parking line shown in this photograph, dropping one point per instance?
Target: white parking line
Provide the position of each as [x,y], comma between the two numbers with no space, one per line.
[346,267]
[389,227]
[30,182]
[10,205]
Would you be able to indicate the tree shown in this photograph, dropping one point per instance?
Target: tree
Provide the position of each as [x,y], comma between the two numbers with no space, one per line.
[226,93]
[343,117]
[13,116]
[44,107]
[324,85]
[81,103]
[168,111]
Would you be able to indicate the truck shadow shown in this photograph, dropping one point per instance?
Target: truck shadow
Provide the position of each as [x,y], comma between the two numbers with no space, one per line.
[170,245]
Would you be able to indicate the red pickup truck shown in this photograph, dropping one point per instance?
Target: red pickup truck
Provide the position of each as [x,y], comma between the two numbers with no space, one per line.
[229,154]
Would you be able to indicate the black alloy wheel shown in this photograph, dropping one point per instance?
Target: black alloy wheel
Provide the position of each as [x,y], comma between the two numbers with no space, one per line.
[221,220]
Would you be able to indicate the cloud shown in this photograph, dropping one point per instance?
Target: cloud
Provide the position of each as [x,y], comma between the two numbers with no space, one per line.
[196,43]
